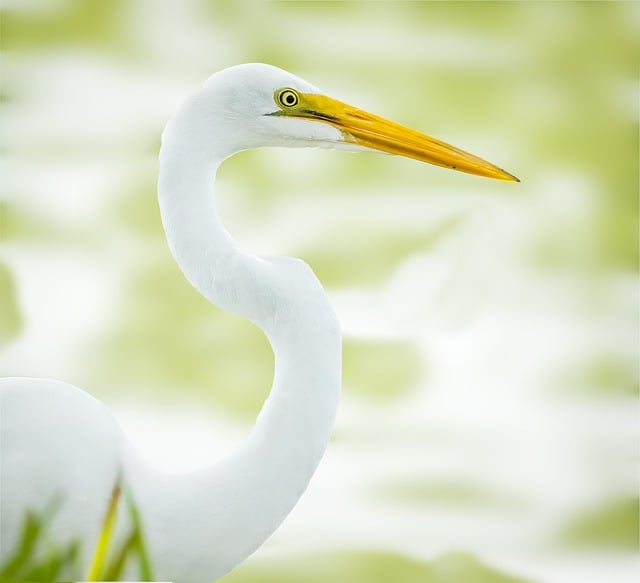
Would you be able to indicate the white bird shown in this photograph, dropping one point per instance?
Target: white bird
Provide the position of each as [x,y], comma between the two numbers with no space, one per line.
[60,444]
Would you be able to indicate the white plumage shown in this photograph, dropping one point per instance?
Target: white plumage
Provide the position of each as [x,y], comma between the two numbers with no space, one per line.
[58,443]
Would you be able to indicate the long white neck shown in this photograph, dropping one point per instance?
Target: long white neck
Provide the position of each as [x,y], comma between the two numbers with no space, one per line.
[215,518]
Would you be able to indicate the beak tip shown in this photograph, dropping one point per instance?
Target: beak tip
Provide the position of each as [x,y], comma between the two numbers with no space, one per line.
[507,176]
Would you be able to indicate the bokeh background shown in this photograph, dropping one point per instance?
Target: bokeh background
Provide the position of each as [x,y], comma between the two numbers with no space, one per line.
[488,430]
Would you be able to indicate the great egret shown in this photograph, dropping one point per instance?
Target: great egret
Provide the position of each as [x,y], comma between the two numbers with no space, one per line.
[59,442]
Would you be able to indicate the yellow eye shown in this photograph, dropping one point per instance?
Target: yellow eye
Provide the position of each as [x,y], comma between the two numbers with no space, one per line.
[287,98]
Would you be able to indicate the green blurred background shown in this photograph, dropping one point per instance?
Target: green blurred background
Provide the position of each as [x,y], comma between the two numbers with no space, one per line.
[488,430]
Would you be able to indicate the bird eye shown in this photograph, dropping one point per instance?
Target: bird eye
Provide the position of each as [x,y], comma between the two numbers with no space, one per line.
[287,98]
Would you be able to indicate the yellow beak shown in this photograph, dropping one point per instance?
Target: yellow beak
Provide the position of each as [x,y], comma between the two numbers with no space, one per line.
[365,129]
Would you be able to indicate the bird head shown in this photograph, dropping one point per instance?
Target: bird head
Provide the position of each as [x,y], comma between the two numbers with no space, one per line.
[266,106]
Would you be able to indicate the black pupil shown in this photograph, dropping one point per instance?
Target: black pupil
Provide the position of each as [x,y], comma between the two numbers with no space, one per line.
[289,98]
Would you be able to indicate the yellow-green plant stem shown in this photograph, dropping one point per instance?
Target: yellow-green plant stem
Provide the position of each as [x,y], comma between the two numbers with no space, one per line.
[106,534]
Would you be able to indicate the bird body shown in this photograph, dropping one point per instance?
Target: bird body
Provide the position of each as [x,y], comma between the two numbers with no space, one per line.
[60,445]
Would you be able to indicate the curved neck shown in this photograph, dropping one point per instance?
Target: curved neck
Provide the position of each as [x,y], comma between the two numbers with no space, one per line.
[244,498]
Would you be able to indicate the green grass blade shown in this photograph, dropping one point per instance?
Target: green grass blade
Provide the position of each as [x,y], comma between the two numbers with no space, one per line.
[114,570]
[146,572]
[104,540]
[31,530]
